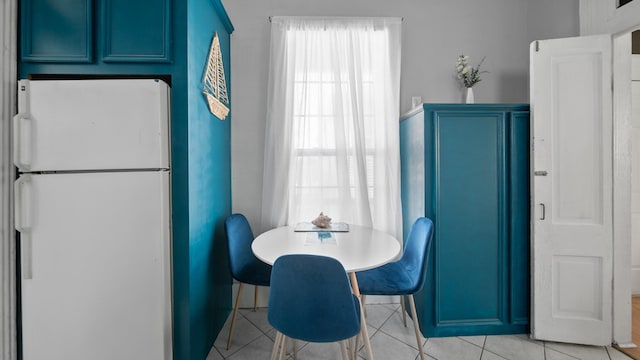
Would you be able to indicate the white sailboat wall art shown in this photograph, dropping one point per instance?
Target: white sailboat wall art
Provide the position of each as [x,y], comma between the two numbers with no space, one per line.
[214,85]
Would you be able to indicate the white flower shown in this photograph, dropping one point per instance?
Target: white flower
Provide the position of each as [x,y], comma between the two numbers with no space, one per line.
[468,75]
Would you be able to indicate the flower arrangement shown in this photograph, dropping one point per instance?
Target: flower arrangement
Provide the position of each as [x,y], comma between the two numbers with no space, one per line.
[467,74]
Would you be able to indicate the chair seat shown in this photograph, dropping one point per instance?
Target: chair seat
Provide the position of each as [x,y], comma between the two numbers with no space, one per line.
[254,273]
[389,279]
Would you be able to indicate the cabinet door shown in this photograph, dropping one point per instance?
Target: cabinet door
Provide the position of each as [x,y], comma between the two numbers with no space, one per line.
[476,188]
[469,196]
[62,31]
[56,31]
[136,31]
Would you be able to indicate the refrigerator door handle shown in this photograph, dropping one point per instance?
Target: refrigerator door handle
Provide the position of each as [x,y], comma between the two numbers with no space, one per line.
[22,221]
[21,142]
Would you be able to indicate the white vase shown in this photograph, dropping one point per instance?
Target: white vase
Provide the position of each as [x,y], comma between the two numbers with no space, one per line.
[470,99]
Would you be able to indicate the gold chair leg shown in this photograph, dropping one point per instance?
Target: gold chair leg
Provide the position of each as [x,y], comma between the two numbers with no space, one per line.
[404,311]
[416,325]
[233,317]
[255,299]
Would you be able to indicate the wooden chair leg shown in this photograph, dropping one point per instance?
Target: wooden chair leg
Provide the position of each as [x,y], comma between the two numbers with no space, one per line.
[233,317]
[404,311]
[276,346]
[355,346]
[284,347]
[416,326]
[343,349]
[350,345]
[255,299]
[295,349]
[357,337]
[365,334]
[364,301]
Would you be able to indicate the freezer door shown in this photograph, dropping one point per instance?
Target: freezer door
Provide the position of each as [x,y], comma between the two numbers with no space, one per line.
[91,125]
[96,266]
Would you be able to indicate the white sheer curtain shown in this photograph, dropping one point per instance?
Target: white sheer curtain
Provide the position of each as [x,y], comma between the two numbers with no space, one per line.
[332,131]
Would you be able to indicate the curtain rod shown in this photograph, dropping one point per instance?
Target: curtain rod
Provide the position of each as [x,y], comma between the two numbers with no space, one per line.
[270,16]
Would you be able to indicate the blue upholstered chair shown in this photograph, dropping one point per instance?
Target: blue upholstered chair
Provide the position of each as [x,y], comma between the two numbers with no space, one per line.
[245,267]
[405,276]
[311,300]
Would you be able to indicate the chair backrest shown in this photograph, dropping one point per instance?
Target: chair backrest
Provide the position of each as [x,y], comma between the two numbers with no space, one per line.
[416,251]
[311,299]
[240,237]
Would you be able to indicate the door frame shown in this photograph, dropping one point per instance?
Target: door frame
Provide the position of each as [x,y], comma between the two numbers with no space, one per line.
[622,188]
[8,87]
[598,17]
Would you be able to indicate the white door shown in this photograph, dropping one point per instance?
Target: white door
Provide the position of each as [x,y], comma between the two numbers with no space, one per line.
[571,159]
[96,265]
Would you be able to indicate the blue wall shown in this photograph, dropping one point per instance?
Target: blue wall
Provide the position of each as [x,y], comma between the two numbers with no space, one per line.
[209,184]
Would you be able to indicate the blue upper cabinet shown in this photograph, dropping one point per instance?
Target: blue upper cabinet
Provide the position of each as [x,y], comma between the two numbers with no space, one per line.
[467,168]
[56,31]
[136,31]
[91,31]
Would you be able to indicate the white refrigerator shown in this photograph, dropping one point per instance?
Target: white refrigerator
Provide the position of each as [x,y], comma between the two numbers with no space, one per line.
[92,208]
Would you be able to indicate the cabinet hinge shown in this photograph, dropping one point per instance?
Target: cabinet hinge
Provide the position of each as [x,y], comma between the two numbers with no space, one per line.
[537,45]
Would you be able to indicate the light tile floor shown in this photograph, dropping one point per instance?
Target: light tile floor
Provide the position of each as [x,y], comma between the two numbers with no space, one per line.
[390,340]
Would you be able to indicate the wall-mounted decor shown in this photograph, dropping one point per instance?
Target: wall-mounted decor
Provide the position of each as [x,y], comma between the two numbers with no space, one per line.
[214,85]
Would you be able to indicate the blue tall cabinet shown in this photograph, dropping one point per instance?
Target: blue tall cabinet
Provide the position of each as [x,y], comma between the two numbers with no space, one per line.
[466,166]
[167,39]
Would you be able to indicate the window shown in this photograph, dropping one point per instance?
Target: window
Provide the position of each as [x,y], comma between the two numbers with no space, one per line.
[335,93]
[315,138]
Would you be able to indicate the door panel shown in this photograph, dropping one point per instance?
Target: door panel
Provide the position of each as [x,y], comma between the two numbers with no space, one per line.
[580,302]
[576,139]
[572,189]
[518,217]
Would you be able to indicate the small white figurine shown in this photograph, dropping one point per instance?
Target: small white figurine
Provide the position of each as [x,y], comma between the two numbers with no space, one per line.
[322,221]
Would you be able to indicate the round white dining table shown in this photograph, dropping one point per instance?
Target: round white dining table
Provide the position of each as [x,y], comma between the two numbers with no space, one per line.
[360,248]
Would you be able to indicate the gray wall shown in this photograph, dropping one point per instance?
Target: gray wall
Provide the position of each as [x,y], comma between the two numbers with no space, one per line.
[435,32]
